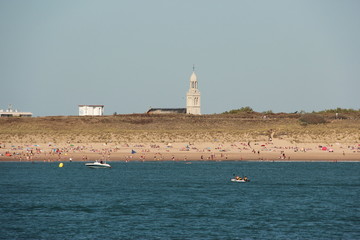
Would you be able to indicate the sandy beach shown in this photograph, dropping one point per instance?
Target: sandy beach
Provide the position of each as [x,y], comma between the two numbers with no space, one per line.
[143,137]
[275,150]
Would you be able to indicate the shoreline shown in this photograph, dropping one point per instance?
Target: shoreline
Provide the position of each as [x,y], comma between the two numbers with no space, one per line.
[179,156]
[190,161]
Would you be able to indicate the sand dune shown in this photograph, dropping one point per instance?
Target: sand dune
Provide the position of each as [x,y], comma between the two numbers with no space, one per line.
[178,138]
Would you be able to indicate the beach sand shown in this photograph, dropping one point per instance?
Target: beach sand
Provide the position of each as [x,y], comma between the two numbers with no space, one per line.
[275,150]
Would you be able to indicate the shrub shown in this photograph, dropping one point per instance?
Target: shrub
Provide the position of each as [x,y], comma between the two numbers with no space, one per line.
[241,110]
[312,118]
[268,112]
[340,110]
[142,121]
[338,116]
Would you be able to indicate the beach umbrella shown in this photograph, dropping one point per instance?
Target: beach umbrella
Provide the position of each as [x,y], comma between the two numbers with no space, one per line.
[324,148]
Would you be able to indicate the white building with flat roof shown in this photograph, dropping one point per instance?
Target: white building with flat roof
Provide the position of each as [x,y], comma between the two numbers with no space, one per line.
[91,110]
[13,113]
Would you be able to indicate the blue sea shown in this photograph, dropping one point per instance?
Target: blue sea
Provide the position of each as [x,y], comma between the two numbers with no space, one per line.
[175,200]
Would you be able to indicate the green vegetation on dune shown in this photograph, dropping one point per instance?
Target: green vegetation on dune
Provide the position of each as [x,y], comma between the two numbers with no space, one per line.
[240,110]
[341,110]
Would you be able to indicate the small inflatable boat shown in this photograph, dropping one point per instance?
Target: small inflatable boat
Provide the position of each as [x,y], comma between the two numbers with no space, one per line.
[240,180]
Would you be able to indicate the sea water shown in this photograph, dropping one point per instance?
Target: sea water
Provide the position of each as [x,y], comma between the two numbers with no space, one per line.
[178,200]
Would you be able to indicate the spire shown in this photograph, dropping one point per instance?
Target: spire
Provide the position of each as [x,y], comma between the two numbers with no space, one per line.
[193,77]
[193,80]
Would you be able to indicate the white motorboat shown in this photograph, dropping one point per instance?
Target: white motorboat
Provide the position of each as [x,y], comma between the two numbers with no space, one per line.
[98,164]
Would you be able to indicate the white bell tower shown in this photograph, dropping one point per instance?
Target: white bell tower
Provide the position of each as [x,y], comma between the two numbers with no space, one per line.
[193,96]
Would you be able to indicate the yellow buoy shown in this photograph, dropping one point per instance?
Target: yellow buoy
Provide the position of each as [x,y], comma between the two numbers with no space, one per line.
[61,164]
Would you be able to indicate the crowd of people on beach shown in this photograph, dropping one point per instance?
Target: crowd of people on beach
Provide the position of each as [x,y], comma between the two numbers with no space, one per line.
[157,152]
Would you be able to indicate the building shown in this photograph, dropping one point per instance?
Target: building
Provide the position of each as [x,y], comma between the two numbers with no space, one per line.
[166,110]
[13,113]
[91,110]
[193,96]
[192,101]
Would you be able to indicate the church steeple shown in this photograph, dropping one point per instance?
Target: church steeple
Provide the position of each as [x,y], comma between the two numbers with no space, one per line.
[193,81]
[193,95]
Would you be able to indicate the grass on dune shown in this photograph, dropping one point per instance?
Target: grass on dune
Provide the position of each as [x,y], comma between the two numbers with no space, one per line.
[175,128]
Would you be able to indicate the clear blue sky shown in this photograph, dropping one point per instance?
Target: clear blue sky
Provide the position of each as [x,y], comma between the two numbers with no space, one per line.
[128,55]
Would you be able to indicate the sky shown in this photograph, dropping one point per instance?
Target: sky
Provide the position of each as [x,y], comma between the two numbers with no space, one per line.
[130,55]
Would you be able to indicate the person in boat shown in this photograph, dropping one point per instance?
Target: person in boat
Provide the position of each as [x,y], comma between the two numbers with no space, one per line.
[245,178]
[238,178]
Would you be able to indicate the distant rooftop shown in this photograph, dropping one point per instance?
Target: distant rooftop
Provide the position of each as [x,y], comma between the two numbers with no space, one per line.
[91,105]
[166,110]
